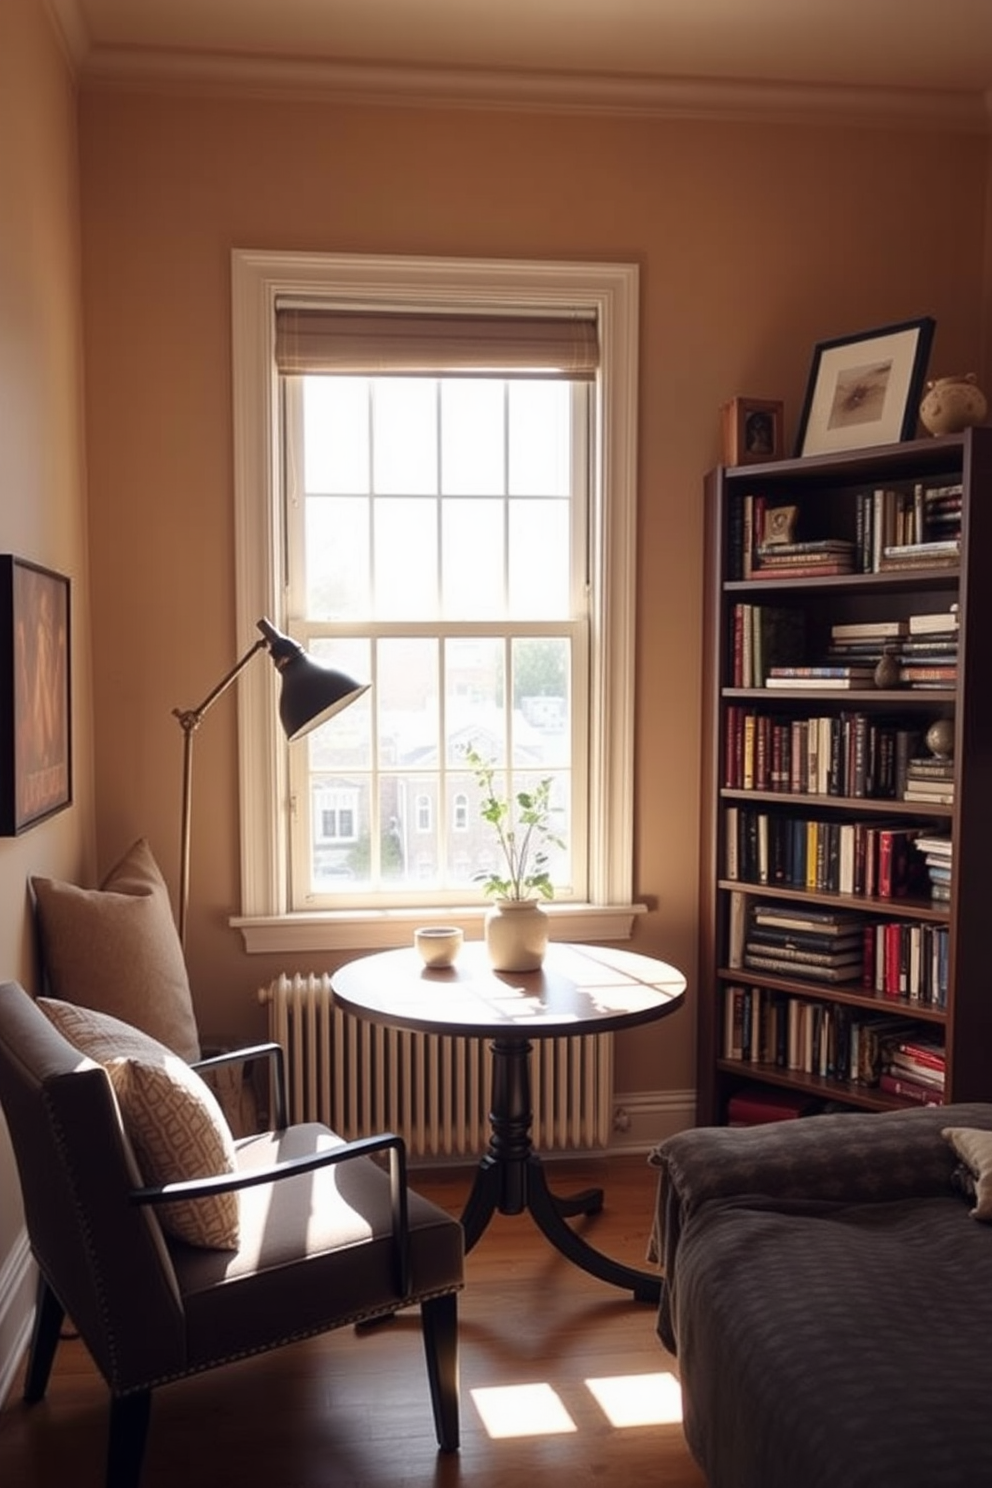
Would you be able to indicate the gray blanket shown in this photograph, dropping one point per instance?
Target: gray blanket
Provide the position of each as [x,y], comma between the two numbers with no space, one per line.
[829,1299]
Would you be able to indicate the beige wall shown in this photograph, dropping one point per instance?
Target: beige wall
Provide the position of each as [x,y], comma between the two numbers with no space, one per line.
[42,508]
[753,242]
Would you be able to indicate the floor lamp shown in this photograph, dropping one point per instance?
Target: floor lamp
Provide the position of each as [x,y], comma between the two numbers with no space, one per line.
[309,696]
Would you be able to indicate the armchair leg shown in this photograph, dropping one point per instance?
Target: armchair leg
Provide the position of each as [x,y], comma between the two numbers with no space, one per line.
[439,1318]
[129,1416]
[48,1317]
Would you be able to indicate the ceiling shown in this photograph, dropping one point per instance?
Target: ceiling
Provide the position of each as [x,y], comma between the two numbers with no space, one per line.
[566,51]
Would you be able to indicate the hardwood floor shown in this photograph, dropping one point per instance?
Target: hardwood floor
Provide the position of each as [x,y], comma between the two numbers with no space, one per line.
[352,1408]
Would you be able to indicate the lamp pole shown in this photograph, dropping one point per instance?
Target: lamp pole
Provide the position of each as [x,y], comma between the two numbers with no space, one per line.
[310,694]
[189,721]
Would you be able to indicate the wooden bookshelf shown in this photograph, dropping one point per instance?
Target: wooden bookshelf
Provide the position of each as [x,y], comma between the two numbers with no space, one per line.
[834,498]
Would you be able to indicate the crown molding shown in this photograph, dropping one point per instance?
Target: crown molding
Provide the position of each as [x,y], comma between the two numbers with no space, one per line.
[731,100]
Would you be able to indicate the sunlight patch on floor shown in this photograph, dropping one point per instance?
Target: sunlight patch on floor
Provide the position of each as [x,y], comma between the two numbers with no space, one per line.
[537,1410]
[522,1410]
[639,1399]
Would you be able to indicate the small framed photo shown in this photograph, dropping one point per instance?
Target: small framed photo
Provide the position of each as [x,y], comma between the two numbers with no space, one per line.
[35,711]
[864,390]
[752,431]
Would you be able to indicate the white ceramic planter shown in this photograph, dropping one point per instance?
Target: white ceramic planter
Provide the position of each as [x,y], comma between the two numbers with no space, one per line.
[516,933]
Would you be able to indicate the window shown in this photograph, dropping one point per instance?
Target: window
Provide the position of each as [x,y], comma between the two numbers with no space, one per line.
[464,539]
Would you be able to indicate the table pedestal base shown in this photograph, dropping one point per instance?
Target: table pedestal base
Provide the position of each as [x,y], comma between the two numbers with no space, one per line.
[511,1178]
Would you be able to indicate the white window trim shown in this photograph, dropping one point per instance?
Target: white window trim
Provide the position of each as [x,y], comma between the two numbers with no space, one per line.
[610,292]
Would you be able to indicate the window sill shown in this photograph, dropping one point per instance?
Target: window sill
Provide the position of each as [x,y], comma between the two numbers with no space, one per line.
[380,930]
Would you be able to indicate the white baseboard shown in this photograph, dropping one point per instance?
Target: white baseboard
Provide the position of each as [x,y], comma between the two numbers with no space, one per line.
[642,1119]
[18,1287]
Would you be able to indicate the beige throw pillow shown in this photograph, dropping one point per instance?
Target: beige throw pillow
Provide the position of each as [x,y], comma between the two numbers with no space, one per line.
[116,949]
[974,1148]
[172,1120]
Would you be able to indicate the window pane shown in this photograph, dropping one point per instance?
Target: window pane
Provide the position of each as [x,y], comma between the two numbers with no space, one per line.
[345,742]
[539,560]
[406,559]
[542,698]
[404,450]
[339,816]
[473,583]
[337,557]
[474,697]
[472,439]
[540,438]
[336,434]
[407,810]
[406,691]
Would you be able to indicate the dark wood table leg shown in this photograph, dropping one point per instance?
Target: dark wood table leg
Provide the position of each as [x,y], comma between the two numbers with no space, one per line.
[510,1178]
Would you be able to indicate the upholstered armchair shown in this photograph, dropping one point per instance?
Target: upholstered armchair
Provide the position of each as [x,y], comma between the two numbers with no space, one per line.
[291,1233]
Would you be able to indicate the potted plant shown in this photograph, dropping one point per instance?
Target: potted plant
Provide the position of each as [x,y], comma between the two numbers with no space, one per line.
[516,927]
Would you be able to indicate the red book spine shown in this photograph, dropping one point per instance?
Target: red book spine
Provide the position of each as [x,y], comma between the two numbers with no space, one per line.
[893,958]
[868,962]
[923,1095]
[885,854]
[923,1055]
[732,739]
[762,753]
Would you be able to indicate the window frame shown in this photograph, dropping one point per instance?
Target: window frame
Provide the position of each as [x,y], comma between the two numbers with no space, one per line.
[609,291]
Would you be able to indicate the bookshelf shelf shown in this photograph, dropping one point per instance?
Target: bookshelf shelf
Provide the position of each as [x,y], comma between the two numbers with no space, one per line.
[924,948]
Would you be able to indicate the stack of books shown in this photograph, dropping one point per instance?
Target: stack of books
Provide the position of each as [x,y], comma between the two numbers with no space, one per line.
[914,1066]
[937,853]
[937,553]
[930,779]
[942,510]
[849,676]
[865,642]
[800,941]
[819,557]
[929,653]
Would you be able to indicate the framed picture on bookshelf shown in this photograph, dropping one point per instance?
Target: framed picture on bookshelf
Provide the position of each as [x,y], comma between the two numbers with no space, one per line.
[35,717]
[864,390]
[752,431]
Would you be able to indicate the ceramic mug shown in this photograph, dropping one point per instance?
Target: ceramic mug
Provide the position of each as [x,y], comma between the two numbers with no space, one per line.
[438,944]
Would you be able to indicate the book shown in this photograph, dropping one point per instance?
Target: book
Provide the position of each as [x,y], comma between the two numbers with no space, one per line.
[807,917]
[821,671]
[801,957]
[870,630]
[806,940]
[922,1049]
[918,560]
[940,547]
[806,570]
[757,1105]
[895,1063]
[930,794]
[912,1090]
[812,684]
[923,624]
[784,967]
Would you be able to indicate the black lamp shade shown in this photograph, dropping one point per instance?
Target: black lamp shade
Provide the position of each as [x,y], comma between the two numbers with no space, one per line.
[310,693]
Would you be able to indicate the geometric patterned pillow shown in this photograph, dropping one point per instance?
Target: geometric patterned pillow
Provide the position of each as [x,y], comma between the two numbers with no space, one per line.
[172,1119]
[974,1148]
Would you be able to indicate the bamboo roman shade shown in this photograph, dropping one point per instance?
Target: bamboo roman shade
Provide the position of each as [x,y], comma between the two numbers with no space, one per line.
[370,343]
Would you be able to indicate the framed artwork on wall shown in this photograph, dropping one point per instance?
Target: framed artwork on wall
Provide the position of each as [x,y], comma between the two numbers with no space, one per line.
[864,390]
[35,706]
[752,431]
